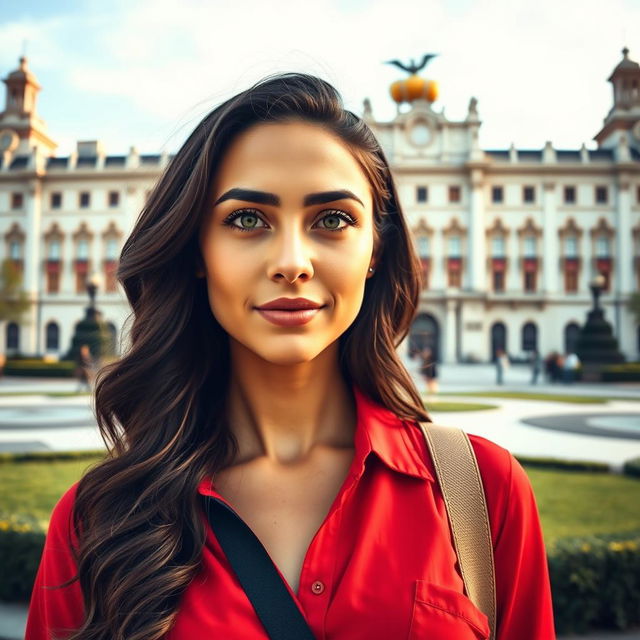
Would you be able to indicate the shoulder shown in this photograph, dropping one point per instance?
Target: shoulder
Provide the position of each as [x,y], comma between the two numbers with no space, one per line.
[61,521]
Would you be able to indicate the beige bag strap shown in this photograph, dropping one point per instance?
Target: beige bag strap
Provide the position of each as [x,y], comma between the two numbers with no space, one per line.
[461,484]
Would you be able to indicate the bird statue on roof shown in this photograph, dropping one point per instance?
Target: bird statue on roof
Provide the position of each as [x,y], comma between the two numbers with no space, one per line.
[413,68]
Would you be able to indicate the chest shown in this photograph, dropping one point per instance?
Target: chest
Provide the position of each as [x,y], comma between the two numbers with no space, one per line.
[285,509]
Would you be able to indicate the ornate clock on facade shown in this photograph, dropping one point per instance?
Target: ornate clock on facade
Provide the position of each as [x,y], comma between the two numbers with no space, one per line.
[8,140]
[419,132]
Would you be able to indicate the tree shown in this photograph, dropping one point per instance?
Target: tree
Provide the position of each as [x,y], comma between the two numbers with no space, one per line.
[14,302]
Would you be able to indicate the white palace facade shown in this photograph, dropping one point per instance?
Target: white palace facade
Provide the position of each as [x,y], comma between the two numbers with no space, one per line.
[509,239]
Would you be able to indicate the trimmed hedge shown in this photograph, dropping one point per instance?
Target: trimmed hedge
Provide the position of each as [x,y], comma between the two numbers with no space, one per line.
[595,582]
[21,544]
[564,465]
[632,467]
[37,368]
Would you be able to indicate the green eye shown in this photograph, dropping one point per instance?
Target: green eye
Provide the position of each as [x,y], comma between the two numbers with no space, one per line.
[252,216]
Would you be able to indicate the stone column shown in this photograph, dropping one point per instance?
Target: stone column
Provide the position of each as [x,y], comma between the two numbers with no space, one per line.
[477,261]
[30,329]
[550,239]
[623,268]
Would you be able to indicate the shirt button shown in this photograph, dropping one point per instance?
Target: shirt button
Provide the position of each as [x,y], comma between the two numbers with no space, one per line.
[317,587]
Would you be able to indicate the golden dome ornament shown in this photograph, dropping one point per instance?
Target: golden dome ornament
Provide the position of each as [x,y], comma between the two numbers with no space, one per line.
[414,87]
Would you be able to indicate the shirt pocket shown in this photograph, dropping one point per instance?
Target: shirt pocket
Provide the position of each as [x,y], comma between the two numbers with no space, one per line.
[440,613]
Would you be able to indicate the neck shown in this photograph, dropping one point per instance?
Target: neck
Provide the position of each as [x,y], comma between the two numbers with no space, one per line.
[283,413]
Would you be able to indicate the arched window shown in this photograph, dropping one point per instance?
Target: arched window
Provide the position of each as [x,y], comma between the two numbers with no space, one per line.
[529,337]
[13,336]
[571,333]
[53,336]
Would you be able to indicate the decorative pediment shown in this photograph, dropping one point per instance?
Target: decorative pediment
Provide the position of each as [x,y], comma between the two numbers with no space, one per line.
[454,228]
[570,229]
[603,228]
[82,232]
[54,233]
[529,229]
[15,233]
[112,231]
[497,229]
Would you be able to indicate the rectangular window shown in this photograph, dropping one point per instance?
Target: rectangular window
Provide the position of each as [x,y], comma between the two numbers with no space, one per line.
[114,198]
[56,200]
[602,195]
[454,246]
[497,247]
[497,194]
[529,247]
[422,194]
[84,199]
[423,246]
[530,281]
[570,281]
[602,247]
[54,250]
[454,193]
[570,247]
[638,194]
[528,194]
[17,201]
[498,280]
[569,195]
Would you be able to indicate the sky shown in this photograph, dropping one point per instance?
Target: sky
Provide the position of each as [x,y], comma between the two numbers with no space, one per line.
[143,73]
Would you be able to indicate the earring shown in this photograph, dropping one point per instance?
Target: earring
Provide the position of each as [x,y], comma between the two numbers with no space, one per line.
[371,269]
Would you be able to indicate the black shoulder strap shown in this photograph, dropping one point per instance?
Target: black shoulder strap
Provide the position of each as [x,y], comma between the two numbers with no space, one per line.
[257,574]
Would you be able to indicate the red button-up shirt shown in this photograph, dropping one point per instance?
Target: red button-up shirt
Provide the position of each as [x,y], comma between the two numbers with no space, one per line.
[382,565]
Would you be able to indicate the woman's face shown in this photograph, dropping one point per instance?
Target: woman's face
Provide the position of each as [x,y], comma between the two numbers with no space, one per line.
[286,242]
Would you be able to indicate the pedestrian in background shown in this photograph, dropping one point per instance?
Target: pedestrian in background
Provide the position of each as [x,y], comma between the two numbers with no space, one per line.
[502,364]
[84,368]
[536,365]
[570,367]
[428,370]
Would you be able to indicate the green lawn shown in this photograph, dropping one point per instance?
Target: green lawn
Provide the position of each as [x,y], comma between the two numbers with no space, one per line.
[548,397]
[445,405]
[571,503]
[579,503]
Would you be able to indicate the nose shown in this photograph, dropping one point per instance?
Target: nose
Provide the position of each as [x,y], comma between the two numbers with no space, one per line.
[290,255]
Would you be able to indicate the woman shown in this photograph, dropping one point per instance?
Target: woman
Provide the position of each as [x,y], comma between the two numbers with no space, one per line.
[303,422]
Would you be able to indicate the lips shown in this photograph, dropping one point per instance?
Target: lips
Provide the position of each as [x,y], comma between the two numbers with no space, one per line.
[289,304]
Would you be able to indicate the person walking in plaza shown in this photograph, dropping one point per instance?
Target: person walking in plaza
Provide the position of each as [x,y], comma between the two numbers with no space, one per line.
[570,367]
[84,368]
[502,364]
[272,275]
[536,365]
[429,370]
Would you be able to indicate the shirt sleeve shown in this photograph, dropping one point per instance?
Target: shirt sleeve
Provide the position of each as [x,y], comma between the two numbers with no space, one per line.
[523,589]
[54,613]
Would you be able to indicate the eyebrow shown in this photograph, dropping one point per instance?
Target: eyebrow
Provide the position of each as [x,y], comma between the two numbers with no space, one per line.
[263,197]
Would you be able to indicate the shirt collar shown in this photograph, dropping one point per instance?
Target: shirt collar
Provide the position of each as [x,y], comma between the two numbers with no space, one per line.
[380,431]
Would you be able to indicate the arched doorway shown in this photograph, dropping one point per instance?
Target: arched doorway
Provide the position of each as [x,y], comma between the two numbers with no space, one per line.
[425,332]
[498,339]
[571,334]
[529,337]
[53,336]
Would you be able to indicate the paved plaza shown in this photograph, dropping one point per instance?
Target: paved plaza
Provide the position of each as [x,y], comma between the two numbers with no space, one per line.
[608,433]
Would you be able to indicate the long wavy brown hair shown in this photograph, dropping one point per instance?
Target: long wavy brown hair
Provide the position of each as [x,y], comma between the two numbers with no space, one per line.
[160,408]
